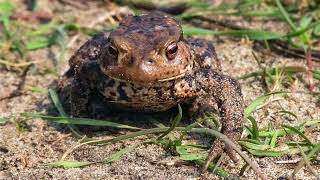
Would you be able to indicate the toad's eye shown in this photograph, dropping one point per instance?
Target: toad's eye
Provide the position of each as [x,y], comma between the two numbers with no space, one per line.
[171,51]
[113,51]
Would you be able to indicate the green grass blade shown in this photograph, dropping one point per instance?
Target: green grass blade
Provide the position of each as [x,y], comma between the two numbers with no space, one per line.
[131,135]
[43,30]
[285,15]
[297,131]
[251,34]
[274,139]
[38,42]
[79,121]
[6,8]
[116,156]
[69,164]
[175,122]
[287,112]
[316,30]
[181,150]
[217,170]
[316,74]
[265,150]
[193,156]
[254,146]
[258,101]
[54,96]
[266,153]
[58,38]
[315,150]
[305,21]
[249,130]
[2,120]
[254,129]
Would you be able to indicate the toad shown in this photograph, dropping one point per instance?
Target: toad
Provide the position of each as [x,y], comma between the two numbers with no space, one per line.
[146,65]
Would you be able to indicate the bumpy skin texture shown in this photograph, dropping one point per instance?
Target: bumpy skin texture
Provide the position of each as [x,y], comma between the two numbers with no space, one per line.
[146,65]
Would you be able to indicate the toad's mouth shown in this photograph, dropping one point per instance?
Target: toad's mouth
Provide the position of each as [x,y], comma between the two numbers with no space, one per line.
[123,79]
[134,75]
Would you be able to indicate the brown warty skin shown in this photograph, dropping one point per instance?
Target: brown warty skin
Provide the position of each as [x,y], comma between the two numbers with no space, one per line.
[146,65]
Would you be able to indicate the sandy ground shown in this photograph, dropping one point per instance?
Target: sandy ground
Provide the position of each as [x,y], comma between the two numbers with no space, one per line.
[22,153]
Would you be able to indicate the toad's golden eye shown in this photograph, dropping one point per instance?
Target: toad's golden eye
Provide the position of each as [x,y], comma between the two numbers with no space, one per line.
[113,51]
[171,51]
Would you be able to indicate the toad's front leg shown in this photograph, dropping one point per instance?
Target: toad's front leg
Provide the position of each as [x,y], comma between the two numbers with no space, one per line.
[226,92]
